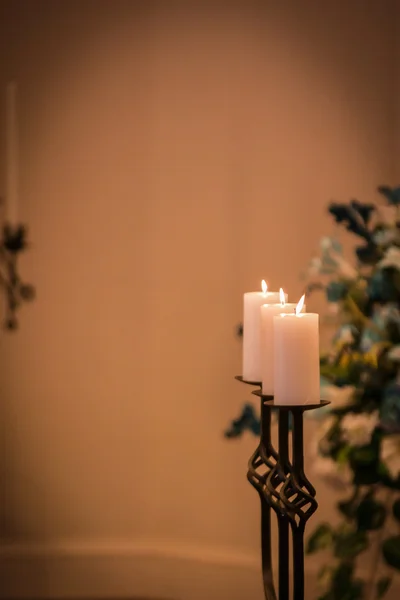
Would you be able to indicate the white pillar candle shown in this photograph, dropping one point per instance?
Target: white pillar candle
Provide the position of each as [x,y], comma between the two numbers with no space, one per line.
[296,358]
[268,312]
[252,331]
[11,154]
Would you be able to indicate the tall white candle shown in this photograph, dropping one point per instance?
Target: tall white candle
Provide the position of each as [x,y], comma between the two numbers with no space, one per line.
[268,312]
[296,358]
[252,331]
[11,154]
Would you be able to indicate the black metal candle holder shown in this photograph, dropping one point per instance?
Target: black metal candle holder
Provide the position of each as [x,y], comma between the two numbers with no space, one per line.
[283,487]
[13,242]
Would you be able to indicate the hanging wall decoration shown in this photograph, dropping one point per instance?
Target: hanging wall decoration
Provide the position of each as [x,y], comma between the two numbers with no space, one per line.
[14,235]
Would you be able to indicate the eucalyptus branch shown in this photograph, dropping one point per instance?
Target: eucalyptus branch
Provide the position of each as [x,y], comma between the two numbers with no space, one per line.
[359,315]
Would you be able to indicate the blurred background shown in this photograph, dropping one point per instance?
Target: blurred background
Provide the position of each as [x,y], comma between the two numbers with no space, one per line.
[172,155]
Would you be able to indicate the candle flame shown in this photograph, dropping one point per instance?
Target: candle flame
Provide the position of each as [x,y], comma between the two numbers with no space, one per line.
[282,297]
[300,305]
[264,287]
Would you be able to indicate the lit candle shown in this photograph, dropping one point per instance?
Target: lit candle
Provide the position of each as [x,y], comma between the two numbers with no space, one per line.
[252,331]
[11,154]
[268,312]
[296,358]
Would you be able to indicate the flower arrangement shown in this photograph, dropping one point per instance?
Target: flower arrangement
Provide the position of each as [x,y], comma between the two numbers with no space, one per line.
[357,444]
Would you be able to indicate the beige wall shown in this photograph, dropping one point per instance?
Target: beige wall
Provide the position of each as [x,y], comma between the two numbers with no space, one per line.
[172,156]
[396,79]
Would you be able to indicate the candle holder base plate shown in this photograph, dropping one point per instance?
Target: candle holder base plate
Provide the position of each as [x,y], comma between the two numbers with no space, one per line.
[269,401]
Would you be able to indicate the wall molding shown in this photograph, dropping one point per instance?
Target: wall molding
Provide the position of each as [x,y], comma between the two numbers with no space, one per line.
[151,568]
[162,569]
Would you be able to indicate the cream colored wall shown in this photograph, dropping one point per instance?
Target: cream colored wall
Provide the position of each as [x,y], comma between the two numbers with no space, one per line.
[172,156]
[396,79]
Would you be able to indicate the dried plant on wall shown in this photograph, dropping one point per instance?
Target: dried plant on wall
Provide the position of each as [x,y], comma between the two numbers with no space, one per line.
[16,291]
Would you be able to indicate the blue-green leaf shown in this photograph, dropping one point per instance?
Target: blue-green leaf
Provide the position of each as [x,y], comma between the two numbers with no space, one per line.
[320,539]
[396,509]
[391,551]
[371,514]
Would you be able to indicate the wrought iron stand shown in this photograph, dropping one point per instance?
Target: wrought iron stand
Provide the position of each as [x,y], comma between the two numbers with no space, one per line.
[283,487]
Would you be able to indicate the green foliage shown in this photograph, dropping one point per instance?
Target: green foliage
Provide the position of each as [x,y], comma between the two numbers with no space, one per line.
[391,551]
[343,584]
[348,508]
[388,482]
[365,464]
[396,509]
[364,443]
[382,586]
[321,538]
[370,514]
[349,544]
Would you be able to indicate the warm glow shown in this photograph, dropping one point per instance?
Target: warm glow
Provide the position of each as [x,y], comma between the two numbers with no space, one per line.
[300,305]
[264,286]
[282,296]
